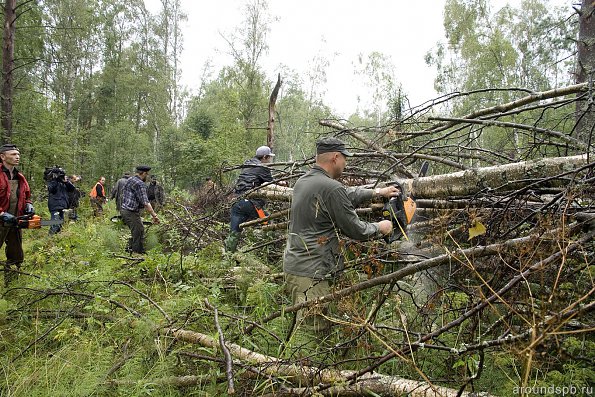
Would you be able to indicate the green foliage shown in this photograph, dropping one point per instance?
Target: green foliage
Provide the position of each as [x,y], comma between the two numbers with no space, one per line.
[512,47]
[386,101]
[297,115]
[75,352]
[95,103]
[200,123]
[4,306]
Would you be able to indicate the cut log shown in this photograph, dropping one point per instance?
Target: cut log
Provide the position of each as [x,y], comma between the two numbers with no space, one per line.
[372,382]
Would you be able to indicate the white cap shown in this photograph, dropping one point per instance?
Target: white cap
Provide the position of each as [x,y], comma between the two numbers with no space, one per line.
[264,151]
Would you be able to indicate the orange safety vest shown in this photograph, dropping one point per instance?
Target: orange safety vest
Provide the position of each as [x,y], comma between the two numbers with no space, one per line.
[93,192]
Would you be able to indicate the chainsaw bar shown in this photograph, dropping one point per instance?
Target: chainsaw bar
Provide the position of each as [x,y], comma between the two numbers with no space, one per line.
[51,222]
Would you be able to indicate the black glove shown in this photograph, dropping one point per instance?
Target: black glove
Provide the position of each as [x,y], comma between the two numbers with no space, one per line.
[29,210]
[8,219]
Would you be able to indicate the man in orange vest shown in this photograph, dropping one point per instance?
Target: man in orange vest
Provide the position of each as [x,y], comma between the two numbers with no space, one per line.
[98,197]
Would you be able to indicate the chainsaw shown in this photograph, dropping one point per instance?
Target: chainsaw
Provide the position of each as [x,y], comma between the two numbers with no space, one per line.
[400,209]
[35,222]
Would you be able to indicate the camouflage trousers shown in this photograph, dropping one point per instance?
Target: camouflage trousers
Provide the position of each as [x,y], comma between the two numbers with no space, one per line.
[97,205]
[302,289]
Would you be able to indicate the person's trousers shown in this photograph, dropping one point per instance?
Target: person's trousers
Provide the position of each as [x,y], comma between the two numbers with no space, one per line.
[242,211]
[302,289]
[97,205]
[72,215]
[56,215]
[13,238]
[133,220]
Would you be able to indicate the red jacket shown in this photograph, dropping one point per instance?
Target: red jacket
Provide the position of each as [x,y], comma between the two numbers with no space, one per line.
[24,193]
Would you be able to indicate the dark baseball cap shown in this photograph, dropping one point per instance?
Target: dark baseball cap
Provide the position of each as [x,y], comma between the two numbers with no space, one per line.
[326,145]
[143,168]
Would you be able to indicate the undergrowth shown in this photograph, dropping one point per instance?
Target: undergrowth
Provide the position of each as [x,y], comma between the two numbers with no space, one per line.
[87,319]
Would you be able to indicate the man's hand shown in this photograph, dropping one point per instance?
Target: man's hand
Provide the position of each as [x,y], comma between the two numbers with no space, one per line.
[385,227]
[155,219]
[8,219]
[29,210]
[388,192]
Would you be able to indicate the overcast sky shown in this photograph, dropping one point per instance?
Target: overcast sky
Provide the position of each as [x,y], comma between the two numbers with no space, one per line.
[336,29]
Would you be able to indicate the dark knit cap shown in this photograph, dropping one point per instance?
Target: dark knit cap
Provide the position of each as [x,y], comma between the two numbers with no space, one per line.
[143,168]
[7,147]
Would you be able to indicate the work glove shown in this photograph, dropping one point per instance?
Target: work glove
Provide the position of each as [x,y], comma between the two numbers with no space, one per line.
[29,210]
[8,219]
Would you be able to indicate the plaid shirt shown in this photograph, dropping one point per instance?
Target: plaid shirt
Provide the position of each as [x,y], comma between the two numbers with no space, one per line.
[134,194]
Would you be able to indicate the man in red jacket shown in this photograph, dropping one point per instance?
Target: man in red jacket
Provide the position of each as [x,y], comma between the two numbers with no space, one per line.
[15,200]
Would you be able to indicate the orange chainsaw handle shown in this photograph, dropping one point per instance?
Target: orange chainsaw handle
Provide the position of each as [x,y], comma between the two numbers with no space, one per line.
[29,222]
[409,204]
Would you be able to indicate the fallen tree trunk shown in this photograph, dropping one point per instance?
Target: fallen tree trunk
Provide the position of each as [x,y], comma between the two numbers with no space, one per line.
[177,381]
[506,177]
[533,97]
[373,382]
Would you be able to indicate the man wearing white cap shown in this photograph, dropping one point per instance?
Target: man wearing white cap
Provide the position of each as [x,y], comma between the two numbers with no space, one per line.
[254,173]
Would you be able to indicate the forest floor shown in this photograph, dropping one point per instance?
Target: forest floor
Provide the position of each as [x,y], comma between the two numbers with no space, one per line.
[88,319]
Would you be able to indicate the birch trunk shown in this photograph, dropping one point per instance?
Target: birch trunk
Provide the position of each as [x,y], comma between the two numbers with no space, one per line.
[507,177]
[373,382]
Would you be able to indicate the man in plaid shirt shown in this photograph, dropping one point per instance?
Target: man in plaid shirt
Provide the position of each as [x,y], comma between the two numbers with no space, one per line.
[134,199]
